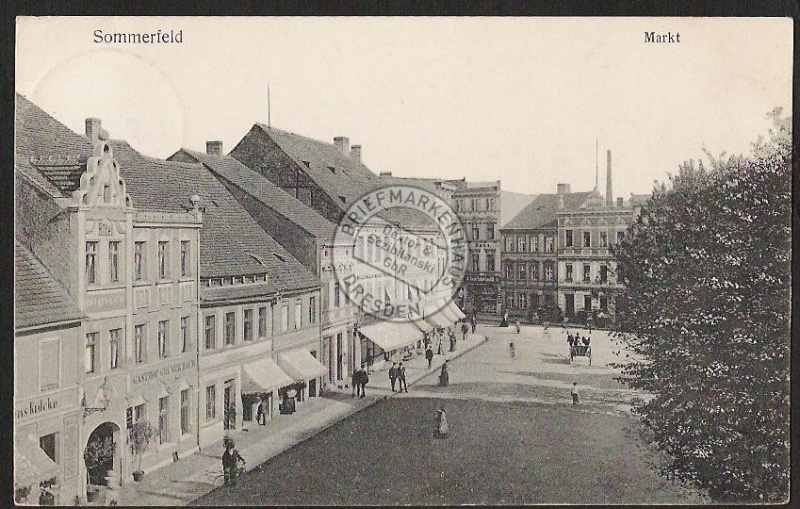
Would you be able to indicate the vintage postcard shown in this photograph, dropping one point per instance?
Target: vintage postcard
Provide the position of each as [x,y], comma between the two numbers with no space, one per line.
[392,261]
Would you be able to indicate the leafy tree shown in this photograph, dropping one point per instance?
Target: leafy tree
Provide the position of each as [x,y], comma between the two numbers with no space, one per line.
[707,276]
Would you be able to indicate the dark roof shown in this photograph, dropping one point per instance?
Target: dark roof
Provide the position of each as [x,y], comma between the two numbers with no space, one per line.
[38,298]
[541,212]
[224,293]
[231,242]
[348,177]
[272,196]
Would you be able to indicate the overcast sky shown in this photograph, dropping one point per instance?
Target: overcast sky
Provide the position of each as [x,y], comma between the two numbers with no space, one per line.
[516,99]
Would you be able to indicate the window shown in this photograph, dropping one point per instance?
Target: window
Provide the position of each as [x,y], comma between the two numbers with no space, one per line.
[604,303]
[474,204]
[521,244]
[587,239]
[91,262]
[262,322]
[488,204]
[523,301]
[163,420]
[620,237]
[284,317]
[490,262]
[49,364]
[535,270]
[568,238]
[138,260]
[113,341]
[139,343]
[48,444]
[91,345]
[247,325]
[522,271]
[113,261]
[476,260]
[568,275]
[548,272]
[185,258]
[604,274]
[476,231]
[509,244]
[185,419]
[185,339]
[163,261]
[298,314]
[163,333]
[603,239]
[336,296]
[587,302]
[312,310]
[210,333]
[211,402]
[509,270]
[587,272]
[534,244]
[548,244]
[490,231]
[230,328]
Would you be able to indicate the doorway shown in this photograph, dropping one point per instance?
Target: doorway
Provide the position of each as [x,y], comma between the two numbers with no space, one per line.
[569,303]
[229,405]
[100,454]
[339,357]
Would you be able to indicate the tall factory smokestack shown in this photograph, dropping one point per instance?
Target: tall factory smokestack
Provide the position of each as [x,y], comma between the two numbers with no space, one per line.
[609,192]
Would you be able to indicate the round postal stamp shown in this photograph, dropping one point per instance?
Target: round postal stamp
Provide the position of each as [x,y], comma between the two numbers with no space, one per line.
[404,251]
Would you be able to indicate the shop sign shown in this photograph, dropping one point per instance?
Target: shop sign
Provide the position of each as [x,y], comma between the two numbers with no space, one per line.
[167,370]
[51,403]
[482,278]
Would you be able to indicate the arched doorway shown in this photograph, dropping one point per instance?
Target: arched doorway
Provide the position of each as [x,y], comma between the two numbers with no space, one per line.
[101,453]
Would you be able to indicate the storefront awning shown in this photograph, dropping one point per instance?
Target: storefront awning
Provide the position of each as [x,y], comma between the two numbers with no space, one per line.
[263,376]
[421,324]
[31,464]
[453,308]
[392,335]
[436,317]
[300,365]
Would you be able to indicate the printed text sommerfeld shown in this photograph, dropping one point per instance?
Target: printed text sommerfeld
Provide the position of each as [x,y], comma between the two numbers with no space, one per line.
[159,37]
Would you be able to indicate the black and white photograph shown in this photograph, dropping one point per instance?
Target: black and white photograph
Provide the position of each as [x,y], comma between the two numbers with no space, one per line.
[382,261]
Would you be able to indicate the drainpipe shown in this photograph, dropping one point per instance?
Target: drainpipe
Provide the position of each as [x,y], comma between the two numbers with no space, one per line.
[197,340]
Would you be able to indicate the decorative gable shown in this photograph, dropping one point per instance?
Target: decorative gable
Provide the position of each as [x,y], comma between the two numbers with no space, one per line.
[101,184]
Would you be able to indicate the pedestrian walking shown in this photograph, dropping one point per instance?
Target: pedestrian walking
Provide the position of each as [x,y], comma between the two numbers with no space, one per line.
[511,350]
[261,417]
[444,376]
[355,380]
[464,330]
[363,381]
[574,393]
[393,375]
[428,356]
[229,460]
[474,322]
[442,426]
[401,376]
[439,348]
[516,324]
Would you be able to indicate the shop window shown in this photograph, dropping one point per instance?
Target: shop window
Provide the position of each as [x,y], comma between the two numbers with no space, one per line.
[113,261]
[210,332]
[49,364]
[185,414]
[91,350]
[91,262]
[139,342]
[139,256]
[113,342]
[163,420]
[211,402]
[230,328]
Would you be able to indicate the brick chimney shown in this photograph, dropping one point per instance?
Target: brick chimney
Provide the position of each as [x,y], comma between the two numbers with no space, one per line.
[214,148]
[93,128]
[609,192]
[355,153]
[343,144]
[562,188]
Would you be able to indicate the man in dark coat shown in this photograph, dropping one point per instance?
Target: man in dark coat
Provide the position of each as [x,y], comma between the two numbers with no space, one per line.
[355,380]
[393,375]
[363,381]
[428,356]
[401,375]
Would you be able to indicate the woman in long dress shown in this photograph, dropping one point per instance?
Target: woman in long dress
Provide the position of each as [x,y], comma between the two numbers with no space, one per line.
[444,376]
[442,427]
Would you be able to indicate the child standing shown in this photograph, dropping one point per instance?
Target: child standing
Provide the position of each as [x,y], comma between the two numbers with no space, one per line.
[574,393]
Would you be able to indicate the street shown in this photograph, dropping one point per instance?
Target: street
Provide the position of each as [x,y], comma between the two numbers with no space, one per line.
[516,439]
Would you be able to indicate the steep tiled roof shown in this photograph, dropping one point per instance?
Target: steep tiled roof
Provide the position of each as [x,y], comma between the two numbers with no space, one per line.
[347,177]
[260,188]
[541,212]
[231,242]
[38,298]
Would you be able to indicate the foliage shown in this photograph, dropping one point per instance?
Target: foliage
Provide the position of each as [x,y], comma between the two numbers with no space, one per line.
[98,451]
[140,435]
[707,275]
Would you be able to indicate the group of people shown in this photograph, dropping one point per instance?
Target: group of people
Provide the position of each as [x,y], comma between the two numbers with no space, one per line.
[398,374]
[360,379]
[576,340]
